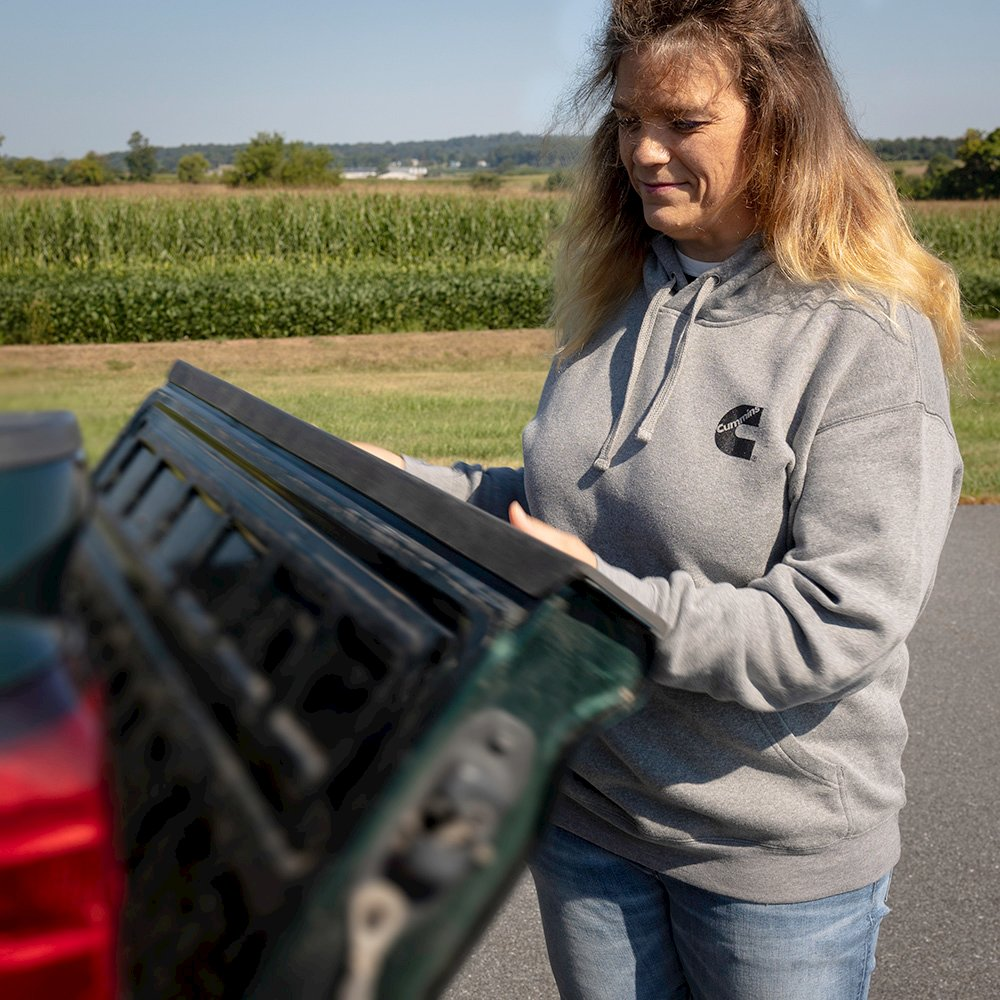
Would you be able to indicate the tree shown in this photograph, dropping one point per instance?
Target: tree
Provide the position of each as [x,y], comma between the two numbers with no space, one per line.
[979,175]
[560,180]
[141,158]
[192,168]
[484,181]
[260,162]
[301,165]
[269,160]
[89,170]
[31,172]
[938,165]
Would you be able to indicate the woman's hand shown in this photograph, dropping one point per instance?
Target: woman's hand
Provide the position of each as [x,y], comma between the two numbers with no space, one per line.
[561,540]
[379,452]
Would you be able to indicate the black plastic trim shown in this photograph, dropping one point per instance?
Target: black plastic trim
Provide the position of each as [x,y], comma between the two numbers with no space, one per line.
[29,439]
[531,567]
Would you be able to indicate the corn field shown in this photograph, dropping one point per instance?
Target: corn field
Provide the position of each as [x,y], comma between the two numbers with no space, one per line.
[79,270]
[959,230]
[339,229]
[967,234]
[88,269]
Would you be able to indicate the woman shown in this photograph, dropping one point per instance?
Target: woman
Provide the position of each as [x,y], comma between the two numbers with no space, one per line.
[746,427]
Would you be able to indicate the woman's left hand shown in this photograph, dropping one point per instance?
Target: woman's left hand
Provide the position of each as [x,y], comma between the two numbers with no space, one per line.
[561,540]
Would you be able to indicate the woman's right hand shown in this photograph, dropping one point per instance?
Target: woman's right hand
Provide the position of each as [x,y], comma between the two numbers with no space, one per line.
[379,452]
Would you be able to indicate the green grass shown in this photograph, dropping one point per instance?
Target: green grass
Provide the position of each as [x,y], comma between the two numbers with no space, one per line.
[458,405]
[976,416]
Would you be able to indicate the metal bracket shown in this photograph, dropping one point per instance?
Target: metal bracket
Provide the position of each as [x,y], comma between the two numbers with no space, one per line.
[448,829]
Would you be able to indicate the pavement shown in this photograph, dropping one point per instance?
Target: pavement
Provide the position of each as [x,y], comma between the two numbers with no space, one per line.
[942,939]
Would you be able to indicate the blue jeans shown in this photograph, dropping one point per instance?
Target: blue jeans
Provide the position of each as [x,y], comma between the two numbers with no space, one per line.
[617,931]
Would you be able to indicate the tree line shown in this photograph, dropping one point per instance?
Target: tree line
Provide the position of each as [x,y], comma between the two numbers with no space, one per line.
[502,151]
[282,161]
[267,160]
[968,167]
[973,171]
[922,148]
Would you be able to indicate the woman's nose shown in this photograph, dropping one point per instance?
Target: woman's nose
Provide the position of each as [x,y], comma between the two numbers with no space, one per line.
[650,147]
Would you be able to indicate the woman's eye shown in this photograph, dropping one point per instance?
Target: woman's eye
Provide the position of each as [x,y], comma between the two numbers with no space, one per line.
[686,125]
[627,123]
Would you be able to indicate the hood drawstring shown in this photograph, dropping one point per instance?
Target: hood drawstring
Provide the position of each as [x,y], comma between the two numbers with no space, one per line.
[603,460]
[648,424]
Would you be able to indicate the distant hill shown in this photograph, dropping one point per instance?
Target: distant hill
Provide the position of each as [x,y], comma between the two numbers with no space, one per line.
[502,151]
[923,148]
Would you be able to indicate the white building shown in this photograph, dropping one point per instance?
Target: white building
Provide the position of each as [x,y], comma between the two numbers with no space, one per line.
[400,173]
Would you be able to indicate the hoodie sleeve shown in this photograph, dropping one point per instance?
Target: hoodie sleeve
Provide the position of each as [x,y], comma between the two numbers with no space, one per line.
[866,535]
[491,489]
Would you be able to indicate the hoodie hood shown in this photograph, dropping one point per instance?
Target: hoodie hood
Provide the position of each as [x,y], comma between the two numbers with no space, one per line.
[662,264]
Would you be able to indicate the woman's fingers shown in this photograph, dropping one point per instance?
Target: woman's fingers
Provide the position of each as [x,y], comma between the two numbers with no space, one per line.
[543,532]
[379,452]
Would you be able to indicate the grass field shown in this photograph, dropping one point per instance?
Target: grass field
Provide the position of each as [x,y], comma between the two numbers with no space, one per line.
[442,396]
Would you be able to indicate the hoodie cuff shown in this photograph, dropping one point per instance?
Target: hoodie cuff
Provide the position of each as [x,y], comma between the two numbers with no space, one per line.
[649,593]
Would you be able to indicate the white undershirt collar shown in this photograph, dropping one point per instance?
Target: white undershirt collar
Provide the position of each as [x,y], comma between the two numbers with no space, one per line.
[695,268]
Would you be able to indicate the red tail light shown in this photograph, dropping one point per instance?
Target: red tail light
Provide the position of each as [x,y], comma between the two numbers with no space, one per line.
[59,884]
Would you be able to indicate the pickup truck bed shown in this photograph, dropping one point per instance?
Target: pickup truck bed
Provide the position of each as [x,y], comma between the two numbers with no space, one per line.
[335,699]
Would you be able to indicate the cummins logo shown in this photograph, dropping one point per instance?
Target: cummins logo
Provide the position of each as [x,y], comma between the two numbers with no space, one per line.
[725,434]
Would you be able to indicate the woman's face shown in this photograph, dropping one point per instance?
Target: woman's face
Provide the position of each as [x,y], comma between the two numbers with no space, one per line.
[680,137]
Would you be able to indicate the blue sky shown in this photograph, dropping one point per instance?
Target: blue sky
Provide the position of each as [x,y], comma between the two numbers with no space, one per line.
[79,75]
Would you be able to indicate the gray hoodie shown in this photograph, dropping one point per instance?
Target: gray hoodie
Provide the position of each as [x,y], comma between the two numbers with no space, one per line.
[772,469]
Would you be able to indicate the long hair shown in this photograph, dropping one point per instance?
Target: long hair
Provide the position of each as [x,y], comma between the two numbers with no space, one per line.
[825,207]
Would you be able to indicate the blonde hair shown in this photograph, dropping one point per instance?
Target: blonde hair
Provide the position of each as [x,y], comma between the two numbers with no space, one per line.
[826,209]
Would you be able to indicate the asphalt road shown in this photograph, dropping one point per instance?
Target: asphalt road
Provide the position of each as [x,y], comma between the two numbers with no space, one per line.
[942,939]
